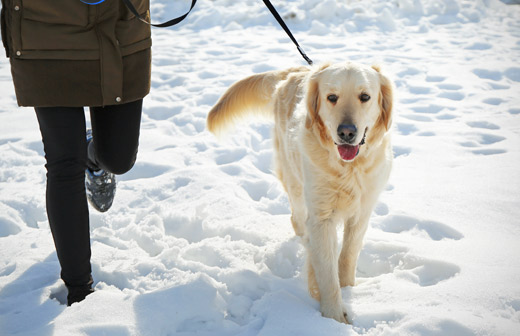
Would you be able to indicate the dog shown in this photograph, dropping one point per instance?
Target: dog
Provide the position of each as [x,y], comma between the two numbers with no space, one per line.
[333,156]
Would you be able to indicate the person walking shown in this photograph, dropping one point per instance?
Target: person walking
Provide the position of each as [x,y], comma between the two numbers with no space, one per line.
[66,55]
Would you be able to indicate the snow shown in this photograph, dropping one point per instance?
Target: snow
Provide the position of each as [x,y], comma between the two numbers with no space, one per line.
[199,240]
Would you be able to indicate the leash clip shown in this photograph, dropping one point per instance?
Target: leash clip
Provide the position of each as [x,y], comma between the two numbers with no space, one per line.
[284,26]
[304,55]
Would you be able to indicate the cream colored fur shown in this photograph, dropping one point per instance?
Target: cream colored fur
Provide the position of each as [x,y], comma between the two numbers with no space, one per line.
[324,190]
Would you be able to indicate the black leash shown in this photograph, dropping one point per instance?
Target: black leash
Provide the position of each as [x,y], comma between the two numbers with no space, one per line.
[175,21]
[284,26]
[170,23]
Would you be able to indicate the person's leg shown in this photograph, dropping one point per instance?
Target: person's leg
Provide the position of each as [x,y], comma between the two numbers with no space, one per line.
[63,135]
[115,131]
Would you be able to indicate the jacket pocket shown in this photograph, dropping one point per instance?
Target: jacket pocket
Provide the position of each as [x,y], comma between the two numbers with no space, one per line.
[67,12]
[56,25]
[132,34]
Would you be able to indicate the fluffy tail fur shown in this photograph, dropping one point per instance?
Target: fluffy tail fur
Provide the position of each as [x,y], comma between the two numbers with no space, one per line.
[247,96]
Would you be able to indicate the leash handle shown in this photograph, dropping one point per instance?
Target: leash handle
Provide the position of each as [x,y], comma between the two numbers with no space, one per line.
[169,23]
[284,26]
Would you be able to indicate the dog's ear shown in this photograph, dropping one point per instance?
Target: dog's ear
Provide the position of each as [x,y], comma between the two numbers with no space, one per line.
[386,98]
[313,96]
[313,101]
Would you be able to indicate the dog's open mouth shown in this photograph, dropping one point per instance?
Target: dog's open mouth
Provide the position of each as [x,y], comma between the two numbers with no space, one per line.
[349,152]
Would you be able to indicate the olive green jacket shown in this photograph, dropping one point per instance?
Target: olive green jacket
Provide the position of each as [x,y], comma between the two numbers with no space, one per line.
[67,53]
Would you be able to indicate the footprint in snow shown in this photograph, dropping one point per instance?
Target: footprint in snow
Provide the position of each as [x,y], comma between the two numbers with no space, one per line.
[483,124]
[514,304]
[435,79]
[372,320]
[428,109]
[207,75]
[417,117]
[379,258]
[446,116]
[260,189]
[513,74]
[381,209]
[7,270]
[488,74]
[9,140]
[59,294]
[406,128]
[419,90]
[440,326]
[479,46]
[9,221]
[449,87]
[142,170]
[479,142]
[452,95]
[225,156]
[488,151]
[401,151]
[493,101]
[496,86]
[434,230]
[162,113]
[232,169]
[286,259]
[425,272]
[263,161]
[409,72]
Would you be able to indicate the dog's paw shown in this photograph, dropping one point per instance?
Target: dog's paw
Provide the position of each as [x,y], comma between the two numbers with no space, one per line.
[346,281]
[337,312]
[315,292]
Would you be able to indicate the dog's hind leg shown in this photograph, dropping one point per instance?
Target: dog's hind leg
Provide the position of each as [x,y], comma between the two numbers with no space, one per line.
[353,234]
[294,191]
[312,283]
[298,228]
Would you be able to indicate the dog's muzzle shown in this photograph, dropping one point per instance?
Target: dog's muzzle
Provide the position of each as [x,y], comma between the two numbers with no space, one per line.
[349,152]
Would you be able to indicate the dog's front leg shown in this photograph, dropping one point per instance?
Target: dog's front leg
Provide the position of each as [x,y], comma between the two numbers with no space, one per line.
[321,244]
[354,231]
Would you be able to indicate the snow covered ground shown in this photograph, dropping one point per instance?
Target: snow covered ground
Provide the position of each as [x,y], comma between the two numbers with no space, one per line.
[199,241]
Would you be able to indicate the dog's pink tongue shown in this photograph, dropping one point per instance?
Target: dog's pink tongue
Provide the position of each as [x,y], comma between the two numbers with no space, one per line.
[348,152]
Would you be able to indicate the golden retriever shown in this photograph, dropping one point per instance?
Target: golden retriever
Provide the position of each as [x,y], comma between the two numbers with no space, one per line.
[333,156]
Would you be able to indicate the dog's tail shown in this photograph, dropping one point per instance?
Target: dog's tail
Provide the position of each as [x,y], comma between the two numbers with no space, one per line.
[252,95]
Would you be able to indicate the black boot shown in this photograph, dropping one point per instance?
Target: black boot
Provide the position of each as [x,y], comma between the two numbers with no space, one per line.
[78,293]
[100,184]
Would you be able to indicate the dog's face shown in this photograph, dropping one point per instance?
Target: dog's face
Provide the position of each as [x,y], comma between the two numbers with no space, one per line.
[347,101]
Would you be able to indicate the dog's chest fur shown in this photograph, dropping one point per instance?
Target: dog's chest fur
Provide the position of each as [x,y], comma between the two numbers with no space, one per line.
[343,189]
[336,189]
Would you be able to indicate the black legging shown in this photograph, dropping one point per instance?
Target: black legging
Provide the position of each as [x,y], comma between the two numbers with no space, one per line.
[114,148]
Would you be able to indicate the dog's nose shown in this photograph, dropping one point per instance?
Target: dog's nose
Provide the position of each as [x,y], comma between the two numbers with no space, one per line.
[347,132]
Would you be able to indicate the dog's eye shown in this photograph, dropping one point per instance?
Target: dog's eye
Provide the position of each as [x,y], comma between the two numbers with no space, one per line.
[364,97]
[332,98]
